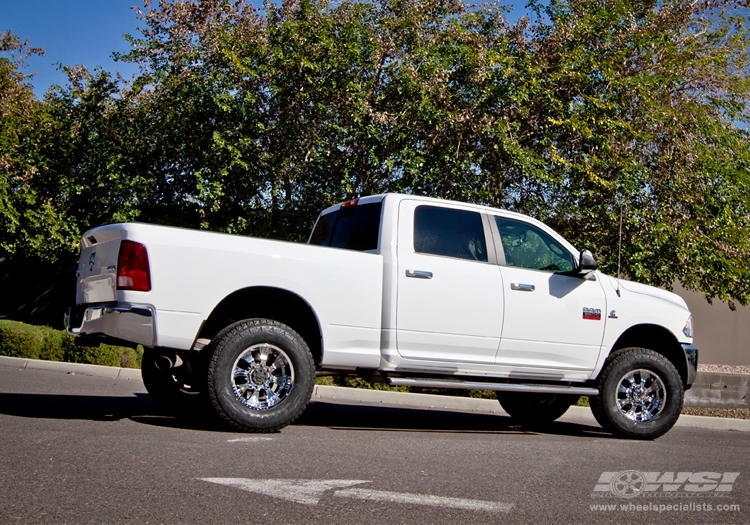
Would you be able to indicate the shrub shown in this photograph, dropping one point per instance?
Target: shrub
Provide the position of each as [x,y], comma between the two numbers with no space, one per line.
[42,342]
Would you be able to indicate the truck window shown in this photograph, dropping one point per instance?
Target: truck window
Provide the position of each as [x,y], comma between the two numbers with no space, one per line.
[527,246]
[449,232]
[352,228]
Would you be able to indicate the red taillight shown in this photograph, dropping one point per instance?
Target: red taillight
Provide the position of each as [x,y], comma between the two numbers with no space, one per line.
[133,272]
[352,202]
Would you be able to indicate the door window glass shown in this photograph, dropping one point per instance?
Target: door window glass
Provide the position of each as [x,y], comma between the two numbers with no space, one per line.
[449,232]
[527,246]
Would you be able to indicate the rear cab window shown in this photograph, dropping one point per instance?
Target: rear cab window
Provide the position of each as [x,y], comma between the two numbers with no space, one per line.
[449,232]
[353,225]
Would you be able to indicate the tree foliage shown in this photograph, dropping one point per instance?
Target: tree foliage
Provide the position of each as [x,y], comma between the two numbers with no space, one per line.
[24,212]
[251,121]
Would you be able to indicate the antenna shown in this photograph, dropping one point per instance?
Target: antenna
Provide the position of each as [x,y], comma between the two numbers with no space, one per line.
[619,253]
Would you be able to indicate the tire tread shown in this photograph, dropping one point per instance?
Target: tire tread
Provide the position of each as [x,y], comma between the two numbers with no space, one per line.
[613,362]
[230,335]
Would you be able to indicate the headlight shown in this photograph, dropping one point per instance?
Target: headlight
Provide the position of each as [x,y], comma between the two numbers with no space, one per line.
[688,330]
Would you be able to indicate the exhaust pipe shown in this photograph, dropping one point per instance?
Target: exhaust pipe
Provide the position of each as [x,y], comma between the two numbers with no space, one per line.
[167,362]
[164,362]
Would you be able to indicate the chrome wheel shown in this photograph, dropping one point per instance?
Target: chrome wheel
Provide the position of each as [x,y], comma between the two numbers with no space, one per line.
[641,395]
[262,376]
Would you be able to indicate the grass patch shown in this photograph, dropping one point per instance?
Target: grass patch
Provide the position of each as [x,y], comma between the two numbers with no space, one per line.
[42,342]
[357,382]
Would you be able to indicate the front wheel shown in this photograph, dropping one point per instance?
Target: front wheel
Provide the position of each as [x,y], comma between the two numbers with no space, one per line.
[533,408]
[640,394]
[261,375]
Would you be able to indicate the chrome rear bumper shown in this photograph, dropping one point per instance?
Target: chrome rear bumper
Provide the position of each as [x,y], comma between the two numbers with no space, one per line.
[128,322]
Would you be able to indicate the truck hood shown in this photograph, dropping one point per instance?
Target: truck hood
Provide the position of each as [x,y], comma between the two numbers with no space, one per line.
[651,291]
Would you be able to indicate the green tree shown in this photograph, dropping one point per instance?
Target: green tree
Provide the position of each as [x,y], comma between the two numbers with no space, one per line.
[28,221]
[642,109]
[250,121]
[307,104]
[66,163]
[599,107]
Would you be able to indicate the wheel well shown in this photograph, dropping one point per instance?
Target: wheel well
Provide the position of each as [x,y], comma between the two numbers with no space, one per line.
[268,303]
[658,339]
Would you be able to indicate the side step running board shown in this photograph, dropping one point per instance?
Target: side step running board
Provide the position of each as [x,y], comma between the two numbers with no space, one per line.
[503,387]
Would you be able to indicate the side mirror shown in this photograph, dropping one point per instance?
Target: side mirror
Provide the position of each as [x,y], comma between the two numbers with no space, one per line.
[587,262]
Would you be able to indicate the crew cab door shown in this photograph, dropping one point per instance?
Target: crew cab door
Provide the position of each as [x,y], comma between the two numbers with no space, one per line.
[552,319]
[450,294]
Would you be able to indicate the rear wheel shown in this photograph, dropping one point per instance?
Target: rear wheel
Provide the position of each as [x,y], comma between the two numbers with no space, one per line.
[532,408]
[641,394]
[260,376]
[170,381]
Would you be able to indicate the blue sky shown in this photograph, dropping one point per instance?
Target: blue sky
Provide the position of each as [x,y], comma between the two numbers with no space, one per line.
[72,32]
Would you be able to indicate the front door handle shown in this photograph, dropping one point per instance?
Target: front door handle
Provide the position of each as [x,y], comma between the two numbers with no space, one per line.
[419,274]
[522,287]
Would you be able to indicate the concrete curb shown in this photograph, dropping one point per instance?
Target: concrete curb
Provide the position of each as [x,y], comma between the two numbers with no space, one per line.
[110,372]
[714,423]
[581,415]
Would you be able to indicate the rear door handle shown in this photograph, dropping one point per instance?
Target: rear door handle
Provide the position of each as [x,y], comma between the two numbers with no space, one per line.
[419,274]
[522,287]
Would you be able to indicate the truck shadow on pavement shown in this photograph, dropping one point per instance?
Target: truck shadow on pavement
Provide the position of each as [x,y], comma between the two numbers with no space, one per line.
[139,408]
[65,406]
[142,409]
[366,417]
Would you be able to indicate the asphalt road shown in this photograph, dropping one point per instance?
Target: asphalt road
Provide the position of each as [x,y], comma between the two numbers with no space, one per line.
[82,449]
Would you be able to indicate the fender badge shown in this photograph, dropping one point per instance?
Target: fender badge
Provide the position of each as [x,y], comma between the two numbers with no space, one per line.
[592,314]
[612,314]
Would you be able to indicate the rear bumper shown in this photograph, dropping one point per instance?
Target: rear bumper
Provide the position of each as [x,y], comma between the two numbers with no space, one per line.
[691,356]
[134,323]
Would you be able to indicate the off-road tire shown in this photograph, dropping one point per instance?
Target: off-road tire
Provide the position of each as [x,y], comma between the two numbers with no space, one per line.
[225,370]
[533,408]
[612,386]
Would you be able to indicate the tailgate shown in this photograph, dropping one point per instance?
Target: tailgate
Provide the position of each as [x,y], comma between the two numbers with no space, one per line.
[97,266]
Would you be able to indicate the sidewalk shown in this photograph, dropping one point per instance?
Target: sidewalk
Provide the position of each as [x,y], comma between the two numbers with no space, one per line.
[578,415]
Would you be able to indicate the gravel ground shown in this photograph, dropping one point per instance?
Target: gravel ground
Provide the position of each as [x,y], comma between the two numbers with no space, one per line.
[736,413]
[731,369]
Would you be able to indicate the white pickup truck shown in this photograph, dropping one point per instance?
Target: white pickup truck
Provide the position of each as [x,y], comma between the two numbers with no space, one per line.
[408,290]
